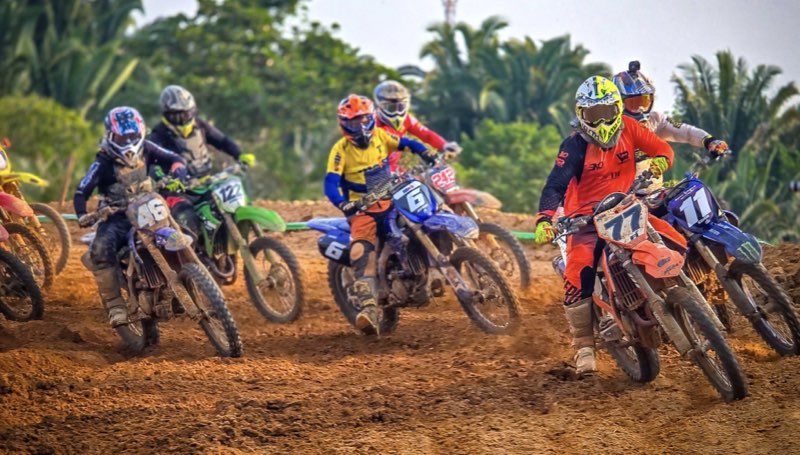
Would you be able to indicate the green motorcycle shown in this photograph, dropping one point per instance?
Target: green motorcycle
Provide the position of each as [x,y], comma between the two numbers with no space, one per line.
[231,227]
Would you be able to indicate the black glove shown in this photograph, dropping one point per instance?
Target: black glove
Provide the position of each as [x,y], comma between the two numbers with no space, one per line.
[348,208]
[428,157]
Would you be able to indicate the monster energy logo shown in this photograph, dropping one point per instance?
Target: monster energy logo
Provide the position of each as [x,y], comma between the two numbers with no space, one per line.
[750,251]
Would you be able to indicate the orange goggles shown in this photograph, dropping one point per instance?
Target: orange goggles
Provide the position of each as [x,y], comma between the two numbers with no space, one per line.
[638,103]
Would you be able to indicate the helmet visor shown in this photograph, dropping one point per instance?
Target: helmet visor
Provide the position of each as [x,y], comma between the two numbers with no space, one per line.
[638,103]
[179,117]
[122,140]
[599,113]
[393,107]
[355,124]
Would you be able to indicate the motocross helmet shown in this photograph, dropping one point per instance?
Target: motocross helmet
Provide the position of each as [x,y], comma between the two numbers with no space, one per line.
[124,138]
[637,90]
[178,109]
[392,99]
[356,116]
[598,106]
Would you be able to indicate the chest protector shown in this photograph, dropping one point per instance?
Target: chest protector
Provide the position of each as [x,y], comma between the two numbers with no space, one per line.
[195,150]
[129,181]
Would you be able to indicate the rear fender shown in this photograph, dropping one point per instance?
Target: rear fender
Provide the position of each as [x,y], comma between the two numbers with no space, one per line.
[737,243]
[268,219]
[658,260]
[475,197]
[15,205]
[458,225]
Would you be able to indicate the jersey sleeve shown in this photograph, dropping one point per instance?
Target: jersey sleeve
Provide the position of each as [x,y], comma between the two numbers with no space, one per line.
[568,166]
[674,131]
[219,140]
[333,175]
[159,156]
[86,187]
[425,134]
[388,139]
[648,142]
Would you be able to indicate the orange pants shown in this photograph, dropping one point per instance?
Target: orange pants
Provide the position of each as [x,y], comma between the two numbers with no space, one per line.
[583,253]
[364,226]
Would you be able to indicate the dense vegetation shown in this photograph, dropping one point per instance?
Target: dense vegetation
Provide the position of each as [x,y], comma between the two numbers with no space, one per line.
[270,77]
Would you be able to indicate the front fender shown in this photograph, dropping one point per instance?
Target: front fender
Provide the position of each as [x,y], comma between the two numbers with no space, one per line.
[3,234]
[25,177]
[739,244]
[15,205]
[268,219]
[659,261]
[458,225]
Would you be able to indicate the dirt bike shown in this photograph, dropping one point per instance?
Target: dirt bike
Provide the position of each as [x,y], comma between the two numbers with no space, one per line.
[726,263]
[640,291]
[272,272]
[54,231]
[407,253]
[498,243]
[163,277]
[23,242]
[20,296]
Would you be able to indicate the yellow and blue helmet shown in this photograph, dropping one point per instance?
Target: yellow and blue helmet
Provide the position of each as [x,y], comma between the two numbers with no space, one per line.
[598,106]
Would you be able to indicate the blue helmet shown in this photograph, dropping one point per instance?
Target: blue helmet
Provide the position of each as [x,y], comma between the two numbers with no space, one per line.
[637,90]
[125,132]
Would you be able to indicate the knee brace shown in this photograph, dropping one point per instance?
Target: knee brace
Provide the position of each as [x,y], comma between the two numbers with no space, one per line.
[359,256]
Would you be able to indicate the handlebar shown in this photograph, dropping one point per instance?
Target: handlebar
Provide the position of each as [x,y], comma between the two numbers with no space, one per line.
[233,169]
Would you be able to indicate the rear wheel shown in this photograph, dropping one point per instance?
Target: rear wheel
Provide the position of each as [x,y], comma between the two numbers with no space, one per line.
[507,253]
[774,318]
[280,296]
[29,248]
[20,296]
[709,350]
[55,233]
[138,335]
[218,324]
[340,278]
[493,307]
[640,363]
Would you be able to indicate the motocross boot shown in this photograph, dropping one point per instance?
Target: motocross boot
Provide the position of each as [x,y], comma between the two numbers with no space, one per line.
[364,292]
[579,316]
[108,287]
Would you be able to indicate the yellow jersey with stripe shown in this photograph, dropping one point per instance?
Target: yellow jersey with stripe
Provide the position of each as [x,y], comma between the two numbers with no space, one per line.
[347,164]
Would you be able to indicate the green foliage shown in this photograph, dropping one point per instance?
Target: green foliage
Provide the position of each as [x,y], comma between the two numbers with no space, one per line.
[42,146]
[510,161]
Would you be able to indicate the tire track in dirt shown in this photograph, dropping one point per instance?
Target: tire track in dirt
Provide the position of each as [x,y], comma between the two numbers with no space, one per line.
[437,385]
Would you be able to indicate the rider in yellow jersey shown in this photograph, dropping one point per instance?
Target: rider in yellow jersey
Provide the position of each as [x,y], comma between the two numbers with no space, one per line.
[358,163]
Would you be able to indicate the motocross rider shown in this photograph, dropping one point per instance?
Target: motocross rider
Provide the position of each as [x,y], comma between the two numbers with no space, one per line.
[596,160]
[392,100]
[186,133]
[119,170]
[638,95]
[357,164]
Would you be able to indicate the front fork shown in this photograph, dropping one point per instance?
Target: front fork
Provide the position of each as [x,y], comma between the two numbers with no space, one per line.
[463,291]
[172,276]
[250,265]
[731,288]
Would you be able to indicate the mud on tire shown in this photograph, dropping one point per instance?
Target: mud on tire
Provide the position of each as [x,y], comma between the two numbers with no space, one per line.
[16,278]
[337,277]
[263,244]
[506,238]
[64,241]
[42,268]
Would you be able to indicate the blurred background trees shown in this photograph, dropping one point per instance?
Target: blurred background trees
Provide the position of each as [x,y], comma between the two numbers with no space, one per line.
[270,77]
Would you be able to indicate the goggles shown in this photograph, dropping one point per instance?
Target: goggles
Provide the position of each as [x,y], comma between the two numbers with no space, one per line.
[357,123]
[638,103]
[393,107]
[599,113]
[125,139]
[179,117]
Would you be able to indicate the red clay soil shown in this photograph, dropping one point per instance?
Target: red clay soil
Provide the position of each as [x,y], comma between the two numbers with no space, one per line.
[435,386]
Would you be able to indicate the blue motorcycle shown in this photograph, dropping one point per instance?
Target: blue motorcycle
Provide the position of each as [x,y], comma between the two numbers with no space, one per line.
[726,263]
[417,238]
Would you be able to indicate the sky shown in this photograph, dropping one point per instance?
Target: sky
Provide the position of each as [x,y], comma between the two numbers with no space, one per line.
[660,34]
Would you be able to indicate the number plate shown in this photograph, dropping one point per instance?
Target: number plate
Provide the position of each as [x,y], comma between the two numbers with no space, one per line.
[622,224]
[695,206]
[413,198]
[444,179]
[230,194]
[149,212]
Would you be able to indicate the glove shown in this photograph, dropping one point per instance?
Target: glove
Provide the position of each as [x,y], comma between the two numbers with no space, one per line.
[348,208]
[86,220]
[658,165]
[451,150]
[428,157]
[248,159]
[544,233]
[717,148]
[175,186]
[179,172]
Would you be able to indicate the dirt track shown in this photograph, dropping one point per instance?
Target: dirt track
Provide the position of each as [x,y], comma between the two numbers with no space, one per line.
[437,385]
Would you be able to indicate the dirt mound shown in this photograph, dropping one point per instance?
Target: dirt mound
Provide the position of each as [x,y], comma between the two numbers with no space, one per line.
[437,385]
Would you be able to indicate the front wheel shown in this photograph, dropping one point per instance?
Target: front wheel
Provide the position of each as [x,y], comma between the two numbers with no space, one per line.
[55,233]
[26,245]
[20,296]
[507,253]
[218,323]
[280,296]
[775,319]
[709,350]
[493,307]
